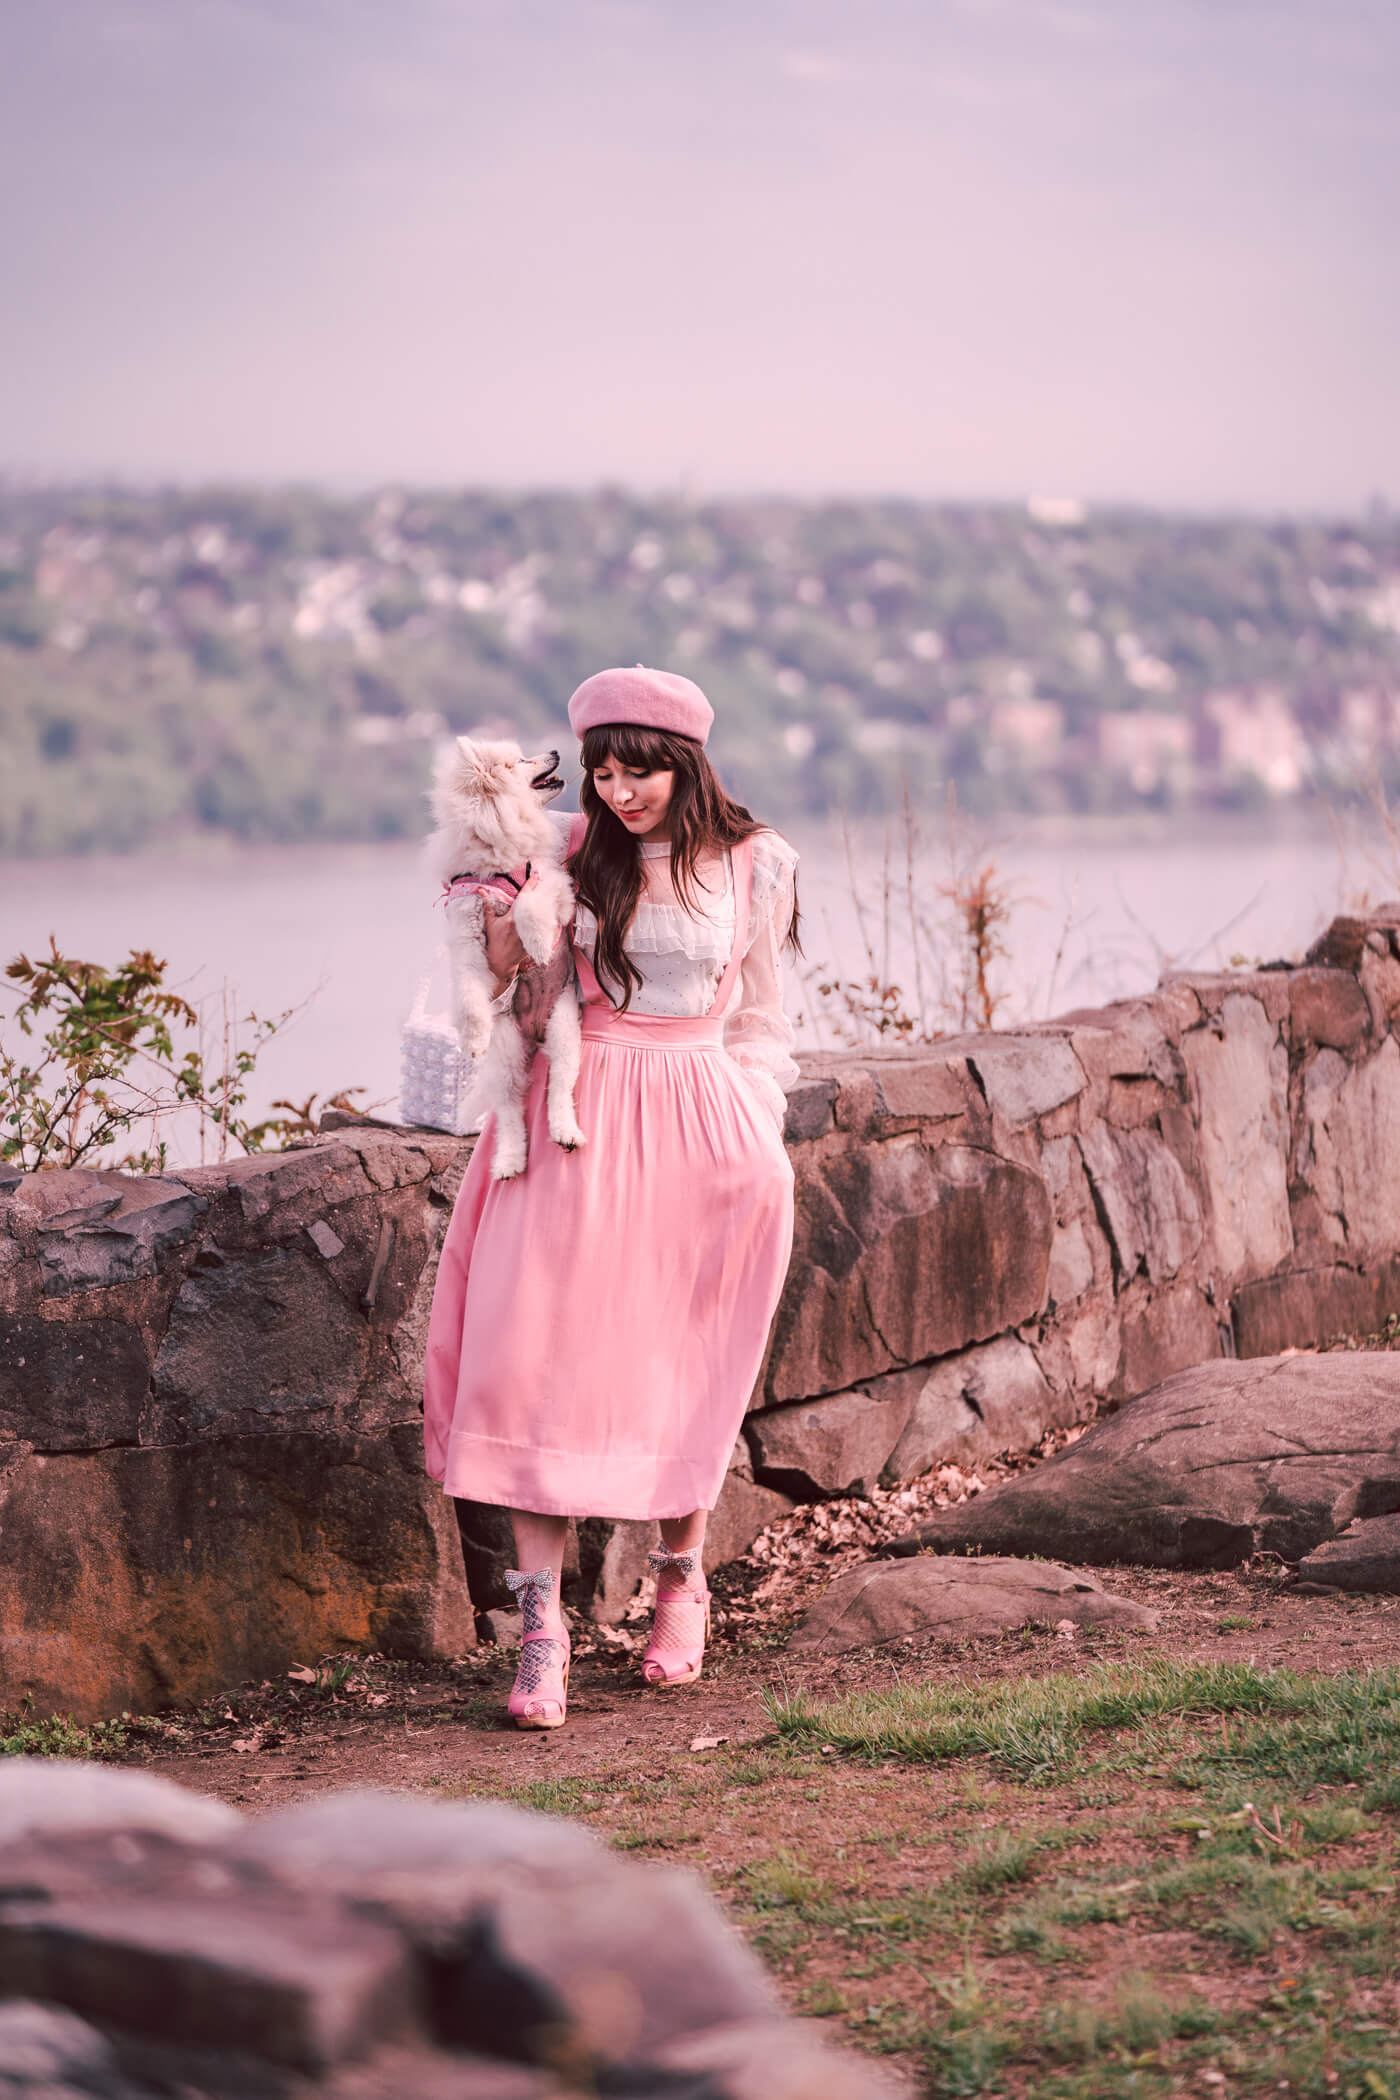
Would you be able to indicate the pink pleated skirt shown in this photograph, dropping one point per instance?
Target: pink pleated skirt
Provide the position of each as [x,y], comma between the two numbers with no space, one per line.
[599,1323]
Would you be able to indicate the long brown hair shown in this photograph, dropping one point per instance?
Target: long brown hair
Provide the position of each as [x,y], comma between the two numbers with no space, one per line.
[607,867]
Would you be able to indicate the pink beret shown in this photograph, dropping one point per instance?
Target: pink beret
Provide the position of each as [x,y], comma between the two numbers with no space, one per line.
[650,699]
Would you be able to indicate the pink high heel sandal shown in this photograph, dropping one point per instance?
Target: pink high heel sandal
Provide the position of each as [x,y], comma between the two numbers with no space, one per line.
[681,1624]
[540,1695]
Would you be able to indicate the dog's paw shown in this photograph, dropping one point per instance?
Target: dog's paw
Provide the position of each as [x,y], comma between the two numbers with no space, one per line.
[508,1160]
[566,1133]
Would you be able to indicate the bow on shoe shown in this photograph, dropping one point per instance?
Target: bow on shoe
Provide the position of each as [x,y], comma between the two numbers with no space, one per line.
[661,1562]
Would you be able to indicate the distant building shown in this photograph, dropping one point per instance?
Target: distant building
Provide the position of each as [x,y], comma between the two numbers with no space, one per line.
[1033,729]
[1254,733]
[1146,745]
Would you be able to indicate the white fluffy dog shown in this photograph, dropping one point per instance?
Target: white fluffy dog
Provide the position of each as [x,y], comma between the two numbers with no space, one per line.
[497,848]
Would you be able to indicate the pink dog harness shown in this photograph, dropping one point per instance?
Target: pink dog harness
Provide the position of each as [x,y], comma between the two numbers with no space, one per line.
[504,885]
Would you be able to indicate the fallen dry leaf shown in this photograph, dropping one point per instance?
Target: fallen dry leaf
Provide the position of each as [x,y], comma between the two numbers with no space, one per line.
[708,1742]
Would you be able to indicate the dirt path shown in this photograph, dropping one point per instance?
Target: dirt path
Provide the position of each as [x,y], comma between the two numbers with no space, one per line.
[444,1728]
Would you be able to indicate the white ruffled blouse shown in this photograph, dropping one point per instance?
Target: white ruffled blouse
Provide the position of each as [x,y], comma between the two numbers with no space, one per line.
[682,956]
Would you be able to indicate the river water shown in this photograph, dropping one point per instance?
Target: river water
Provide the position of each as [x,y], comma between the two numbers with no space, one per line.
[344,935]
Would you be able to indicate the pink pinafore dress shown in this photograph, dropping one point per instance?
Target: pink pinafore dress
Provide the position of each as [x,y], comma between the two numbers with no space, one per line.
[599,1323]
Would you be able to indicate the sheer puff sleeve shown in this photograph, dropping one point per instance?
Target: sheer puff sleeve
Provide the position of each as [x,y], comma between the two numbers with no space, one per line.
[757,1033]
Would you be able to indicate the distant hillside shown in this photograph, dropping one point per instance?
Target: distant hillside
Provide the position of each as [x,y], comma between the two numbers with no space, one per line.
[276,663]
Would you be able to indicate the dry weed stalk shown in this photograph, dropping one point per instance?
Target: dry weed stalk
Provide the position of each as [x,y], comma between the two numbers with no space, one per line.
[952,954]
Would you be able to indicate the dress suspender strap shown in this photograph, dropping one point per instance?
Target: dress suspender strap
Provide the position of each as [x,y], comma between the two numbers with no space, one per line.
[741,868]
[741,865]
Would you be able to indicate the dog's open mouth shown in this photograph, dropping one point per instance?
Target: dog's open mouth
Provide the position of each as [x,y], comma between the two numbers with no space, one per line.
[548,782]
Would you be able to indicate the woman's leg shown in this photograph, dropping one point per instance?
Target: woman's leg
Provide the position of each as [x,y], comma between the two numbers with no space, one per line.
[681,1535]
[676,1650]
[539,1696]
[539,1543]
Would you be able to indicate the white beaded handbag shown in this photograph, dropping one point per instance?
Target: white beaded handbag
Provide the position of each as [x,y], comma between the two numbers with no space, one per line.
[434,1070]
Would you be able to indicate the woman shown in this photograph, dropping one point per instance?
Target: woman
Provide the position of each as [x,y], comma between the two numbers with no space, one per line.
[598,1324]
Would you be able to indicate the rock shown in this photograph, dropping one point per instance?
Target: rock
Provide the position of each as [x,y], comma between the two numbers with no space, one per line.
[772,2060]
[602,1970]
[990,1399]
[129,1234]
[1095,1344]
[381,1844]
[488,1549]
[1350,1135]
[951,1598]
[1151,1211]
[919,1084]
[1071,1268]
[503,1629]
[132,1578]
[1124,1040]
[258,1342]
[1239,1075]
[742,1511]
[904,1253]
[51,2054]
[1306,1306]
[402,2072]
[833,1446]
[1341,946]
[162,1939]
[1217,1463]
[1327,1008]
[327,1243]
[1025,1076]
[1366,1556]
[1163,1332]
[72,1385]
[539,1942]
[810,1108]
[612,1562]
[51,1797]
[386,1945]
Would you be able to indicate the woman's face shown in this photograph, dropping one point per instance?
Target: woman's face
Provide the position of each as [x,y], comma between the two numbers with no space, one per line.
[642,801]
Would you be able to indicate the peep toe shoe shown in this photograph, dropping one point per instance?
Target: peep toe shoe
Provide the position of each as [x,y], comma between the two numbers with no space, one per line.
[680,1627]
[540,1695]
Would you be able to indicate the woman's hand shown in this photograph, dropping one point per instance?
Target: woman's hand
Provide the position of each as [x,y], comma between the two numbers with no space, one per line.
[505,951]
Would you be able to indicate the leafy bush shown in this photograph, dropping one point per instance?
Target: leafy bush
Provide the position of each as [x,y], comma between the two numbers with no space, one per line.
[111,1050]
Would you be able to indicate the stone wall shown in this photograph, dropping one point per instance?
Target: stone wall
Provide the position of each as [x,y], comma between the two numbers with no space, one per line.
[209,1441]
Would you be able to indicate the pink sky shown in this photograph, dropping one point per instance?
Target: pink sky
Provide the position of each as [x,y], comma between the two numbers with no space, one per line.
[963,247]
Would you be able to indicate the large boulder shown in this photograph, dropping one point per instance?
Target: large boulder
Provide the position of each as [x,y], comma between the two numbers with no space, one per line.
[136,1578]
[373,1945]
[1219,1462]
[951,1597]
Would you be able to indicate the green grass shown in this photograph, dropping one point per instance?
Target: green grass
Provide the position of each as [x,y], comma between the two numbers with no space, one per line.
[1130,1883]
[1309,1730]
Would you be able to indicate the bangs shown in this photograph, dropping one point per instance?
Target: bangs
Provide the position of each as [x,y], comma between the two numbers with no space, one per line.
[630,744]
